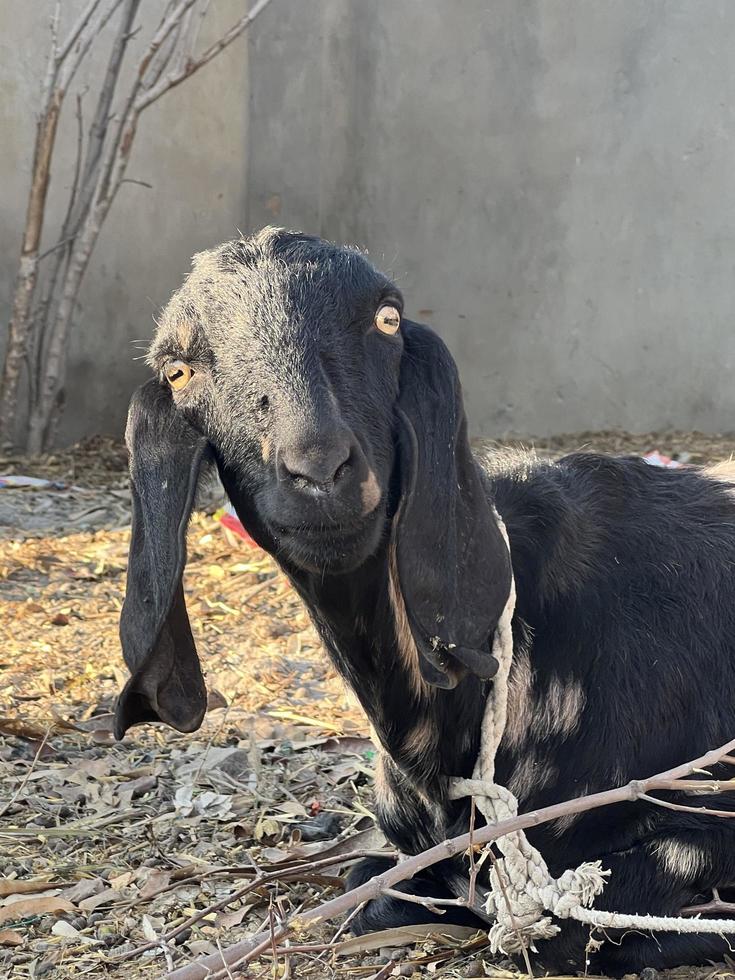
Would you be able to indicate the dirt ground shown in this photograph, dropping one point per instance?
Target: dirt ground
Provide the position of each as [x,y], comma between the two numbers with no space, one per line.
[127,859]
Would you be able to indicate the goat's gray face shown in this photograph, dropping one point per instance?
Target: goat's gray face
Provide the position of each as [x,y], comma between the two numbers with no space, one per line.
[284,352]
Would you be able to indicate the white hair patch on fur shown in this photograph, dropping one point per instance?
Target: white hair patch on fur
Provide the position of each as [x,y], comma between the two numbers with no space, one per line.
[685,861]
[558,708]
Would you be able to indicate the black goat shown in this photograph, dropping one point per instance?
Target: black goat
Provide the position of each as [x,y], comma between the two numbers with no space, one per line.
[338,430]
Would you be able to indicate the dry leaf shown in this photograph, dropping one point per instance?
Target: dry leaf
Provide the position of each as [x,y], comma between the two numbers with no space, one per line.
[449,935]
[34,906]
[157,882]
[227,920]
[148,931]
[18,886]
[105,897]
[215,699]
[122,880]
[65,930]
[9,937]
[21,728]
[84,889]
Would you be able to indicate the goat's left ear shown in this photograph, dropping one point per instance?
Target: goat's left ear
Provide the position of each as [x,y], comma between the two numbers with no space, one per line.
[453,563]
[166,682]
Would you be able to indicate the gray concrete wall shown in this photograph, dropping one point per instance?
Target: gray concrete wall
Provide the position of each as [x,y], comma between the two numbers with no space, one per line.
[552,183]
[190,147]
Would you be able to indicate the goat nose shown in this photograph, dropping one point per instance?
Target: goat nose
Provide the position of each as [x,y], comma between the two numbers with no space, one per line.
[317,468]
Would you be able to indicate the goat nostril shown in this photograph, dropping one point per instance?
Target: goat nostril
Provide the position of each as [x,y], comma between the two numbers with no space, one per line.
[342,469]
[317,471]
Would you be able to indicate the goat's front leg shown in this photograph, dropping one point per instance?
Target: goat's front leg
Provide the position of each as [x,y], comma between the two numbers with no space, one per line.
[388,911]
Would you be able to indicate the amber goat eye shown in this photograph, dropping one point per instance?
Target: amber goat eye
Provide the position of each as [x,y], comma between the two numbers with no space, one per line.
[388,319]
[178,374]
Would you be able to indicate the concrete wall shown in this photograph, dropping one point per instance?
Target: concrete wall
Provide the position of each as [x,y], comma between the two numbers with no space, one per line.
[552,183]
[190,147]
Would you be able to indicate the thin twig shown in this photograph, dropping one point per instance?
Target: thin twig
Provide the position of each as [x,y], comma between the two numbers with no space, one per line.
[473,863]
[683,808]
[716,905]
[27,776]
[700,786]
[78,158]
[219,947]
[210,967]
[141,183]
[56,247]
[76,30]
[274,947]
[513,921]
[342,929]
[265,878]
[435,904]
[175,78]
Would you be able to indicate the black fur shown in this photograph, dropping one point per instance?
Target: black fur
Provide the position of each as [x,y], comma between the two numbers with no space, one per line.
[624,628]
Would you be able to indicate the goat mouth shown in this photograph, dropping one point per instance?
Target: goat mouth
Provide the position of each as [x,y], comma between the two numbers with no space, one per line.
[326,533]
[340,547]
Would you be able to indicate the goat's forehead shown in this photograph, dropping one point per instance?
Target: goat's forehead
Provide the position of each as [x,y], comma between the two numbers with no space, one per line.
[222,300]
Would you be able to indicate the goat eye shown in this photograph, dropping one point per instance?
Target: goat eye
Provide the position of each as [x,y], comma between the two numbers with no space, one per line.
[388,319]
[178,374]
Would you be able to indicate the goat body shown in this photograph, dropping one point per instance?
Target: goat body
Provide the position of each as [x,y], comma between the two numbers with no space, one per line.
[623,667]
[344,449]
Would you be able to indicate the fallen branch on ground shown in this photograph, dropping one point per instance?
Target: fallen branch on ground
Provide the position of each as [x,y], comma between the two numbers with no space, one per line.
[217,966]
[288,873]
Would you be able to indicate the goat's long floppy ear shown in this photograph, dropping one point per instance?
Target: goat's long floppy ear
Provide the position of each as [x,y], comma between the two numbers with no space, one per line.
[453,564]
[166,682]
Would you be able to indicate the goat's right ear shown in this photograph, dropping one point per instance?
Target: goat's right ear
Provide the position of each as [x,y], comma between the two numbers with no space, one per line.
[166,682]
[452,560]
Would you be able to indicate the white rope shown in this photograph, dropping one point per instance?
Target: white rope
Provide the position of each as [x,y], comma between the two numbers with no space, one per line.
[524,903]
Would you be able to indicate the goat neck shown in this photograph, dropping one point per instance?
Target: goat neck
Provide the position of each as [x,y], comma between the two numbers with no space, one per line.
[361,619]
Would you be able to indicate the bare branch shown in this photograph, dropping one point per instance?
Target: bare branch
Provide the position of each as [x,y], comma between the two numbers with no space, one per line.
[55,248]
[90,30]
[108,152]
[213,967]
[699,787]
[141,183]
[16,351]
[682,808]
[707,908]
[435,904]
[78,210]
[171,45]
[101,118]
[169,22]
[76,30]
[187,49]
[263,878]
[52,64]
[78,157]
[193,65]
